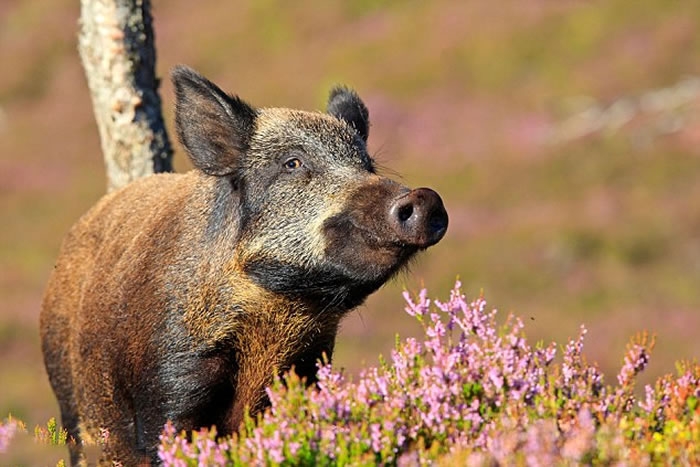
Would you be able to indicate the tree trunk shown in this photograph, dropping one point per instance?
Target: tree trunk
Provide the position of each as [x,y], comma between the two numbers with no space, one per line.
[116,46]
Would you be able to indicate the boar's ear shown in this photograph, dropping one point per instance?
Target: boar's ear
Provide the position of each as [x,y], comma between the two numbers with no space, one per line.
[345,104]
[214,127]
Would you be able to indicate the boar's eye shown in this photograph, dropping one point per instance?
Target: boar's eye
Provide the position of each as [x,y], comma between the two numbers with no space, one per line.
[293,163]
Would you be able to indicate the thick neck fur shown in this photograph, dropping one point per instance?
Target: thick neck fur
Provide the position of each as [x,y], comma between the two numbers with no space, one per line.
[265,334]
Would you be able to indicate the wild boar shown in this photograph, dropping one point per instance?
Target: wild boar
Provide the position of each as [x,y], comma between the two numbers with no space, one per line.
[181,296]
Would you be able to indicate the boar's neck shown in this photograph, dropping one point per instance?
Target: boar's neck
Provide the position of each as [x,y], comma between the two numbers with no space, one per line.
[264,334]
[276,330]
[275,336]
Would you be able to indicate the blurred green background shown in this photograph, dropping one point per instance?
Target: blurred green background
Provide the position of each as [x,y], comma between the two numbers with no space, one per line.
[563,136]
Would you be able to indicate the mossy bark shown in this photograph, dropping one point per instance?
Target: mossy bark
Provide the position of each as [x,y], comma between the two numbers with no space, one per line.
[116,45]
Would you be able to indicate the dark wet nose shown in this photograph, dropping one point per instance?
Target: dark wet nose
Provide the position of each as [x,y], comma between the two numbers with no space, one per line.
[419,217]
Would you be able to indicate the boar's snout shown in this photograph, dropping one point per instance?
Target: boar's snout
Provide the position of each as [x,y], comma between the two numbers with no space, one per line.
[418,217]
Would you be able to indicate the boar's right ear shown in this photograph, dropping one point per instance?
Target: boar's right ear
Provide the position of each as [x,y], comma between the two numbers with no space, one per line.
[345,104]
[214,127]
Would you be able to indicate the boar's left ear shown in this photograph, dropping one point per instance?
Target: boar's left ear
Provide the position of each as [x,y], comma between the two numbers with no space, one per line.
[345,104]
[214,127]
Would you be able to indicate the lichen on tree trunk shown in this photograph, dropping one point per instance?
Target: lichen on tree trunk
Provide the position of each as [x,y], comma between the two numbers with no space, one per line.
[116,45]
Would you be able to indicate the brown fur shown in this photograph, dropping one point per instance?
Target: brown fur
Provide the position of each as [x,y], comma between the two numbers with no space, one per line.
[181,297]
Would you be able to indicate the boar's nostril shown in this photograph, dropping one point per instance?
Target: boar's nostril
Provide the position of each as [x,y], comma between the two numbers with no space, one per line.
[405,212]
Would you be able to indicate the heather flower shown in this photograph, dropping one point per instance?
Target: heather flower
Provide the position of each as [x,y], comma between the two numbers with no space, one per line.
[636,359]
[469,392]
[8,429]
[581,439]
[417,309]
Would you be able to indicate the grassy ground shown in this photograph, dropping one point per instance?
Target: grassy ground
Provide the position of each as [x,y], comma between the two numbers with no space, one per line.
[563,137]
